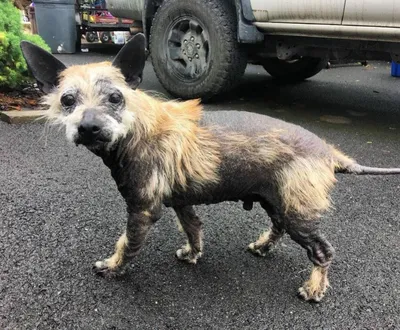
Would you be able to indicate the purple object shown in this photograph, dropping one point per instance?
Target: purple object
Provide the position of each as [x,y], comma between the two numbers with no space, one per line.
[395,69]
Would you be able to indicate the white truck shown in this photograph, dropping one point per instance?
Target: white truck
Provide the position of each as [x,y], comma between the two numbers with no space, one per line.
[200,48]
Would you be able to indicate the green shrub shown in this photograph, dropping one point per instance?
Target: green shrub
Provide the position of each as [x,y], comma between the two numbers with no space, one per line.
[13,69]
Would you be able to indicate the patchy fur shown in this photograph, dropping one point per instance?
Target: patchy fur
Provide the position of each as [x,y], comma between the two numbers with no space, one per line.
[305,184]
[116,259]
[263,148]
[189,152]
[315,288]
[171,153]
[266,241]
[83,78]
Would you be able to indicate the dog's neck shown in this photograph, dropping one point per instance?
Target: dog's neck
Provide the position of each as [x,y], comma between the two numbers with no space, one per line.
[113,155]
[125,169]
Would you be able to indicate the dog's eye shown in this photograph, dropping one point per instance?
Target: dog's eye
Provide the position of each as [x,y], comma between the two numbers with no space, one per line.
[68,100]
[115,98]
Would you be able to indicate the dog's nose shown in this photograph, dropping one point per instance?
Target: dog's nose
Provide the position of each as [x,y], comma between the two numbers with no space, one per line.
[90,126]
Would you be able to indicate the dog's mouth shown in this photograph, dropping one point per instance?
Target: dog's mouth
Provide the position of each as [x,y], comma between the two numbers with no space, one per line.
[92,141]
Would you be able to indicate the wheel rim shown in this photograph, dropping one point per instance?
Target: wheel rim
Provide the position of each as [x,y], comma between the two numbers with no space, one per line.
[90,37]
[188,49]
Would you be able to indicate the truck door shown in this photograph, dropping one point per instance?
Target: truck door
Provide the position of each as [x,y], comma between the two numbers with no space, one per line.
[299,11]
[382,13]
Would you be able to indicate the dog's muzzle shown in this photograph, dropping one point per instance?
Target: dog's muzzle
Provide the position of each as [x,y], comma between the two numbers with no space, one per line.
[91,130]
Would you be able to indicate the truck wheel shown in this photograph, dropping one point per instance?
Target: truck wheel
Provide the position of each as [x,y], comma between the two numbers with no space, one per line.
[296,70]
[90,36]
[194,48]
[105,37]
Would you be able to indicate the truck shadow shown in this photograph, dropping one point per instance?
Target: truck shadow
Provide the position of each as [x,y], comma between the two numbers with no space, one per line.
[369,96]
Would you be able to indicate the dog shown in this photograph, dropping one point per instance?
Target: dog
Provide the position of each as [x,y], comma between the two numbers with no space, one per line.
[171,153]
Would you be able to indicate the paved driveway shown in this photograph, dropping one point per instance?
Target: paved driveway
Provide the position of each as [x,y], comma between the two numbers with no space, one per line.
[60,211]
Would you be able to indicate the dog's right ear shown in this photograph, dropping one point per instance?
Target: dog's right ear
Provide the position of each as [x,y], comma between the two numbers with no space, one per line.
[131,60]
[44,67]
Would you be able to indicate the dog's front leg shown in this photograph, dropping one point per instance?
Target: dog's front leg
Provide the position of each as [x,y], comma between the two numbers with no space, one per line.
[130,242]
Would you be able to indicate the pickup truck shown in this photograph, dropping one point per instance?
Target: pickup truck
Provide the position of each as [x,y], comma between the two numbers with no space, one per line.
[200,48]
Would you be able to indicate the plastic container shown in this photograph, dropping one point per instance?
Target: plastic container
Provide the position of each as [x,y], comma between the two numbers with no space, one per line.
[118,37]
[55,20]
[395,69]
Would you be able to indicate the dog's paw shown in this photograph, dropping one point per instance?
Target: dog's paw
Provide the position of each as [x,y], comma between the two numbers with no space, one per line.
[311,293]
[103,269]
[258,251]
[186,254]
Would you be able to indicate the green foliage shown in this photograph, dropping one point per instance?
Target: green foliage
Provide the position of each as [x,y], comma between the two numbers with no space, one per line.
[13,69]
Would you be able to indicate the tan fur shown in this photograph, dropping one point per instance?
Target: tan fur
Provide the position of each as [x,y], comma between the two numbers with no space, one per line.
[186,248]
[305,184]
[317,283]
[178,223]
[189,152]
[146,213]
[185,254]
[261,241]
[342,161]
[158,185]
[178,155]
[265,242]
[264,238]
[263,149]
[82,77]
[116,259]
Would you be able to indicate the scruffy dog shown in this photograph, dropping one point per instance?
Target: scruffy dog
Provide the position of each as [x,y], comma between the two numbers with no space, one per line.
[173,154]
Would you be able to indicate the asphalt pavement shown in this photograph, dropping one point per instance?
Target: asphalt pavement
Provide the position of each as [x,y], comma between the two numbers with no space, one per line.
[60,211]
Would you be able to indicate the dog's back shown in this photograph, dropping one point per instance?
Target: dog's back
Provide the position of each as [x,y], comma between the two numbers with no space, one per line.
[304,142]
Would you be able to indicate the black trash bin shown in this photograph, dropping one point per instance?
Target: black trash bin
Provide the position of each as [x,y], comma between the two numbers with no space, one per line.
[56,24]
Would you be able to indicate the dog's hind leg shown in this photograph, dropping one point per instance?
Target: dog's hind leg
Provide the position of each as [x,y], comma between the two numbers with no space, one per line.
[129,244]
[191,225]
[269,238]
[319,251]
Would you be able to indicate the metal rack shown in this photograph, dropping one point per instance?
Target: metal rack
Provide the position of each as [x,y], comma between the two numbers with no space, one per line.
[93,20]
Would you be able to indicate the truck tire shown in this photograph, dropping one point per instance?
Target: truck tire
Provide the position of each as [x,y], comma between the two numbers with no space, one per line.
[90,37]
[105,37]
[294,71]
[194,48]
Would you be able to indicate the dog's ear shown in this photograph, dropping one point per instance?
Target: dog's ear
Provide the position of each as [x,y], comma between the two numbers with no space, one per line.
[44,67]
[131,60]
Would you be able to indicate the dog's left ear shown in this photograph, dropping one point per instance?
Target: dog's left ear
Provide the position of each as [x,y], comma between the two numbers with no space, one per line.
[131,60]
[44,67]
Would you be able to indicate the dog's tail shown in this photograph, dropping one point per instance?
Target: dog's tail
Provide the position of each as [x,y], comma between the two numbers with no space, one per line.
[344,164]
[366,170]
